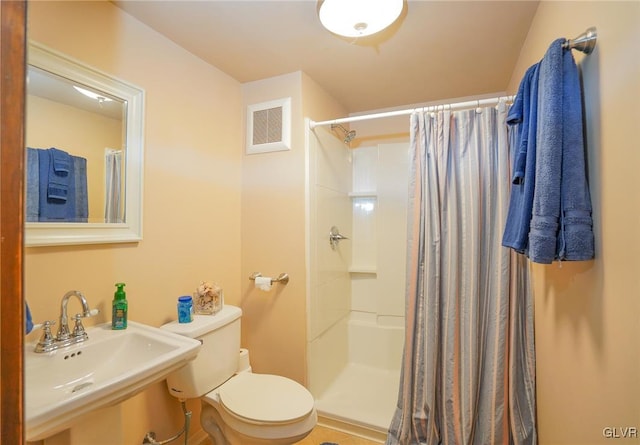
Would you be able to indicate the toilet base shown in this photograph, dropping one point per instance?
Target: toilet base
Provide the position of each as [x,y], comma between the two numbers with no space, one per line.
[223,434]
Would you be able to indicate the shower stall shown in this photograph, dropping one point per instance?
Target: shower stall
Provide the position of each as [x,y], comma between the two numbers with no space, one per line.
[357,242]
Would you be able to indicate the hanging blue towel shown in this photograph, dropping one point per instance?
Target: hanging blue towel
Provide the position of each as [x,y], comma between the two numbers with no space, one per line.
[57,186]
[28,320]
[524,111]
[522,118]
[58,177]
[545,221]
[576,241]
[33,184]
[561,225]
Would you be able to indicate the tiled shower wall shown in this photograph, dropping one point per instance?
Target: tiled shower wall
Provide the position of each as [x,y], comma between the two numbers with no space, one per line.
[379,205]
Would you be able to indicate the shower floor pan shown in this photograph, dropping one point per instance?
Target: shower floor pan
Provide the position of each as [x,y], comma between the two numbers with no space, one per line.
[361,401]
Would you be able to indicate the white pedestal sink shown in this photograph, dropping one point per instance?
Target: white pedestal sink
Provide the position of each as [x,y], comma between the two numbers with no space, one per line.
[65,385]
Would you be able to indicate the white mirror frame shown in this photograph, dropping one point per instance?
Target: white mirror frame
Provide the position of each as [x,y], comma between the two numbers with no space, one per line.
[55,234]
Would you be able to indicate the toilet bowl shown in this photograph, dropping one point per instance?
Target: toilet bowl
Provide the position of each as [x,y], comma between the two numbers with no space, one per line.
[254,409]
[239,407]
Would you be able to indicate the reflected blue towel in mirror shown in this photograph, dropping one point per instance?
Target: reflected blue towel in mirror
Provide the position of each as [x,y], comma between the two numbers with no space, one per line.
[59,177]
[33,184]
[60,162]
[56,188]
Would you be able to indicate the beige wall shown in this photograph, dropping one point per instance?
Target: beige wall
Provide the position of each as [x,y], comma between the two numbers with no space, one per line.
[273,241]
[274,231]
[588,313]
[192,182]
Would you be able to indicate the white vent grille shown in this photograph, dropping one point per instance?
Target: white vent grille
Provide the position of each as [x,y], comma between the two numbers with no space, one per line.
[269,126]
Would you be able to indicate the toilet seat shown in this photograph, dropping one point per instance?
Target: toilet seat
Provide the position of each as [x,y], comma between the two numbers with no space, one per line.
[265,399]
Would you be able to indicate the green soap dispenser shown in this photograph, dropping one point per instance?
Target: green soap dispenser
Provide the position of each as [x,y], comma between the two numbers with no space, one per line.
[120,306]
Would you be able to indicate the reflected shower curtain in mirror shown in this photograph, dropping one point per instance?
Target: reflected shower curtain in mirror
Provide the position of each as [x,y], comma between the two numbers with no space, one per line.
[113,185]
[468,371]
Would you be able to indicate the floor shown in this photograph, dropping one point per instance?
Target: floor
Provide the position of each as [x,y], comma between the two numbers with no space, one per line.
[321,434]
[360,395]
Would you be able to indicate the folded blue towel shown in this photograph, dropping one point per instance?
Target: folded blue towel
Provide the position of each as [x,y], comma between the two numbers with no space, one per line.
[57,191]
[60,162]
[33,184]
[522,119]
[561,217]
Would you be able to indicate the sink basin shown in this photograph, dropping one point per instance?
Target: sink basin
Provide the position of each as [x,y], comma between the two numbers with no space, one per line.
[109,367]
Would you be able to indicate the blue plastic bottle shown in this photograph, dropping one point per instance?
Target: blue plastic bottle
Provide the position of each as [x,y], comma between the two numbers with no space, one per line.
[185,309]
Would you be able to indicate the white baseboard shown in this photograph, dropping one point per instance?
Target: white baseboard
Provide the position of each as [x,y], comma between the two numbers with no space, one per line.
[350,428]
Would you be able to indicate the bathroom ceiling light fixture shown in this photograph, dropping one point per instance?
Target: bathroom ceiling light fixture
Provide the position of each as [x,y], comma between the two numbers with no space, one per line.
[358,18]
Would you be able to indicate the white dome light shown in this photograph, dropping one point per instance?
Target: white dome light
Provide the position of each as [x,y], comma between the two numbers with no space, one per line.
[358,18]
[92,95]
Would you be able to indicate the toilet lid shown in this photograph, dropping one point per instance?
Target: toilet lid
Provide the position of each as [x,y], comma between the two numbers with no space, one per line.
[265,398]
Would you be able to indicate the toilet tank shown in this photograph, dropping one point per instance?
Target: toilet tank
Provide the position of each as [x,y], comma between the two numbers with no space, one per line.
[217,359]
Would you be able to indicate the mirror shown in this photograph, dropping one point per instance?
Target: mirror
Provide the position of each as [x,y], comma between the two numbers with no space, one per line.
[84,154]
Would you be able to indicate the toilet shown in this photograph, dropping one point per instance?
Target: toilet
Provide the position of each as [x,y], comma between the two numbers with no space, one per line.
[239,407]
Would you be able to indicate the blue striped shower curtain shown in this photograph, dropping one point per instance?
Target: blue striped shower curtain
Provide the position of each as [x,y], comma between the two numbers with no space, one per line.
[468,371]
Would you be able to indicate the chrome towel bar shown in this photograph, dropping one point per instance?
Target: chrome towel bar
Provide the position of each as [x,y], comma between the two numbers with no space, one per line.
[585,42]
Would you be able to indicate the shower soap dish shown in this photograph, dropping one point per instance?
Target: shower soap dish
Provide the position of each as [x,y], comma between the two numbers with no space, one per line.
[208,298]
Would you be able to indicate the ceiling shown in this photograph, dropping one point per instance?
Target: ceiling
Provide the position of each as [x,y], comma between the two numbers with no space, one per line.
[436,50]
[47,85]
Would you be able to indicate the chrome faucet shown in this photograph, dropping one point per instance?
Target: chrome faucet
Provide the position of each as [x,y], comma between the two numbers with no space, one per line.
[63,337]
[63,328]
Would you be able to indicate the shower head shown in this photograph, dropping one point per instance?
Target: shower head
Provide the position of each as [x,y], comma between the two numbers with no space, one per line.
[348,135]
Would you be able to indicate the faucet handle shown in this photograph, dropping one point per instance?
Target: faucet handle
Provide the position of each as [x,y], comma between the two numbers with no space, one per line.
[92,312]
[78,328]
[44,324]
[46,340]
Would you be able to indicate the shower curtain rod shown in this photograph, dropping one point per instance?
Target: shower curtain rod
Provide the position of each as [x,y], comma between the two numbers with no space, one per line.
[451,106]
[585,43]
